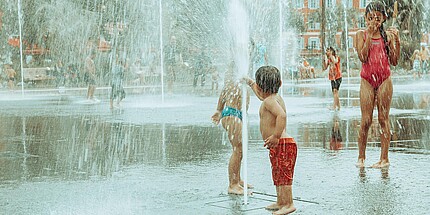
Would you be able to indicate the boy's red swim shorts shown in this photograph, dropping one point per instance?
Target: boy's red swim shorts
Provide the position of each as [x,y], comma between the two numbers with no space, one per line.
[283,159]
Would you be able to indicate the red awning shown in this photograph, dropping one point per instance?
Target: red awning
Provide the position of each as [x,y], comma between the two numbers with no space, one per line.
[13,41]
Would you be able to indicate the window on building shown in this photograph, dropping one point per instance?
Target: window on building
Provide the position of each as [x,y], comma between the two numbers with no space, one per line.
[299,3]
[314,4]
[330,3]
[363,3]
[350,42]
[361,22]
[313,25]
[314,43]
[301,43]
[347,3]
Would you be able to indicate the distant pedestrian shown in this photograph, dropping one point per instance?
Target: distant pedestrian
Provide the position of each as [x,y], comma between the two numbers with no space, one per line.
[215,77]
[173,58]
[10,73]
[200,69]
[425,55]
[60,77]
[416,64]
[332,62]
[117,81]
[258,53]
[90,75]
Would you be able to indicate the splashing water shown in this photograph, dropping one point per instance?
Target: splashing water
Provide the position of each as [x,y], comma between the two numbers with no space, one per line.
[239,30]
[238,26]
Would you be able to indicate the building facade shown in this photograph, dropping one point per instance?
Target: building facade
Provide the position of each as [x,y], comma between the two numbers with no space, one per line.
[310,40]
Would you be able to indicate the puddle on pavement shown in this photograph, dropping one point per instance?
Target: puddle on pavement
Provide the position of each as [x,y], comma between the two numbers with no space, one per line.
[70,147]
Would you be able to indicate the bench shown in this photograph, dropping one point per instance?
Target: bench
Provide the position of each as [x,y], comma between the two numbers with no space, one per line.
[37,74]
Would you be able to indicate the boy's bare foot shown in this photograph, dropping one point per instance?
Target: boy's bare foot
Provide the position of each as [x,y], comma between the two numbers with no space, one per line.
[360,163]
[273,207]
[285,210]
[250,186]
[381,164]
[236,190]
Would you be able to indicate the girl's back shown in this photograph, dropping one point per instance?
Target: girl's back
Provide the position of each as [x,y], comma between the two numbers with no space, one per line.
[232,95]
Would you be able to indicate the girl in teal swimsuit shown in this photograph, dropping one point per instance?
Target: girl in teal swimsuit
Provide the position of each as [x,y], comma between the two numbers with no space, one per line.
[229,114]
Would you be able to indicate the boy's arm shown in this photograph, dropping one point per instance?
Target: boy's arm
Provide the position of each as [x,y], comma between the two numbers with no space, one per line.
[255,88]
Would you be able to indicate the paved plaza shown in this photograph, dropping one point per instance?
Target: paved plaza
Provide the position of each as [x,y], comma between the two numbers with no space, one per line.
[61,155]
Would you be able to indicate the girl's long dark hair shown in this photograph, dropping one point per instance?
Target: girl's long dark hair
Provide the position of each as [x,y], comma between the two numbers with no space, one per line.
[379,6]
[332,50]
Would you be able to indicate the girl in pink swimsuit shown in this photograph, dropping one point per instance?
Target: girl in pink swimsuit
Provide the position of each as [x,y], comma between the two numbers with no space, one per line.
[377,49]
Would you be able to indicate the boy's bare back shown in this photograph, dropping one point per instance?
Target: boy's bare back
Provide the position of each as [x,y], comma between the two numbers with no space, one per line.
[272,107]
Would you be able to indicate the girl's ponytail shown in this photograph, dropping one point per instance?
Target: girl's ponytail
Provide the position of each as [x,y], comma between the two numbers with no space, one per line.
[384,36]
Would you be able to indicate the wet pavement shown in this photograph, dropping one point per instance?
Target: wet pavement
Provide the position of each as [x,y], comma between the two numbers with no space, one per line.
[62,155]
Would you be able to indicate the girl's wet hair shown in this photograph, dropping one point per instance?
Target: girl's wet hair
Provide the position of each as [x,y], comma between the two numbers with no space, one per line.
[377,6]
[380,7]
[268,78]
[332,50]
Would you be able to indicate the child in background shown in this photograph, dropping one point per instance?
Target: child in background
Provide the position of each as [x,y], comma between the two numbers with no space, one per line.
[10,72]
[229,113]
[117,91]
[332,61]
[416,66]
[283,148]
[215,78]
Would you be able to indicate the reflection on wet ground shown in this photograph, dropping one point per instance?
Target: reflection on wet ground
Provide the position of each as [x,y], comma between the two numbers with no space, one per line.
[80,147]
[146,156]
[409,132]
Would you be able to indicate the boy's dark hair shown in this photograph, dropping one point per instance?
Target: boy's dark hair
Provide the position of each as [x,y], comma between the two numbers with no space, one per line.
[379,6]
[268,78]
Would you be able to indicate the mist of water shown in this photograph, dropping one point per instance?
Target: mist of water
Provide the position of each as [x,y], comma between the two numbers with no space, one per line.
[239,31]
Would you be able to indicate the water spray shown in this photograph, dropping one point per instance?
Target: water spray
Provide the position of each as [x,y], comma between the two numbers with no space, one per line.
[239,30]
[395,12]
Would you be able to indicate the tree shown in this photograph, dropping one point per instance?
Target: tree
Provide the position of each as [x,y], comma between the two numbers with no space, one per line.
[410,24]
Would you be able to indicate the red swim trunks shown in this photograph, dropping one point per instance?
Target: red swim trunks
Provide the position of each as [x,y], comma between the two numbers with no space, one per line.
[283,159]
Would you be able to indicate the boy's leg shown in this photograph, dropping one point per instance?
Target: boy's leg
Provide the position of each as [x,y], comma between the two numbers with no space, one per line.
[285,200]
[383,103]
[275,206]
[367,102]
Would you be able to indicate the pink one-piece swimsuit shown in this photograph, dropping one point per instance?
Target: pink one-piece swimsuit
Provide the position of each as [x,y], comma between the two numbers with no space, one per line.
[377,67]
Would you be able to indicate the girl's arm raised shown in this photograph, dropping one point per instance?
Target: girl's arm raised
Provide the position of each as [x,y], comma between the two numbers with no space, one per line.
[393,45]
[362,46]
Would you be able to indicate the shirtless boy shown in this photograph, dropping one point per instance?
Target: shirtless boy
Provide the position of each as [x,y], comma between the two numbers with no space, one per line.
[283,148]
